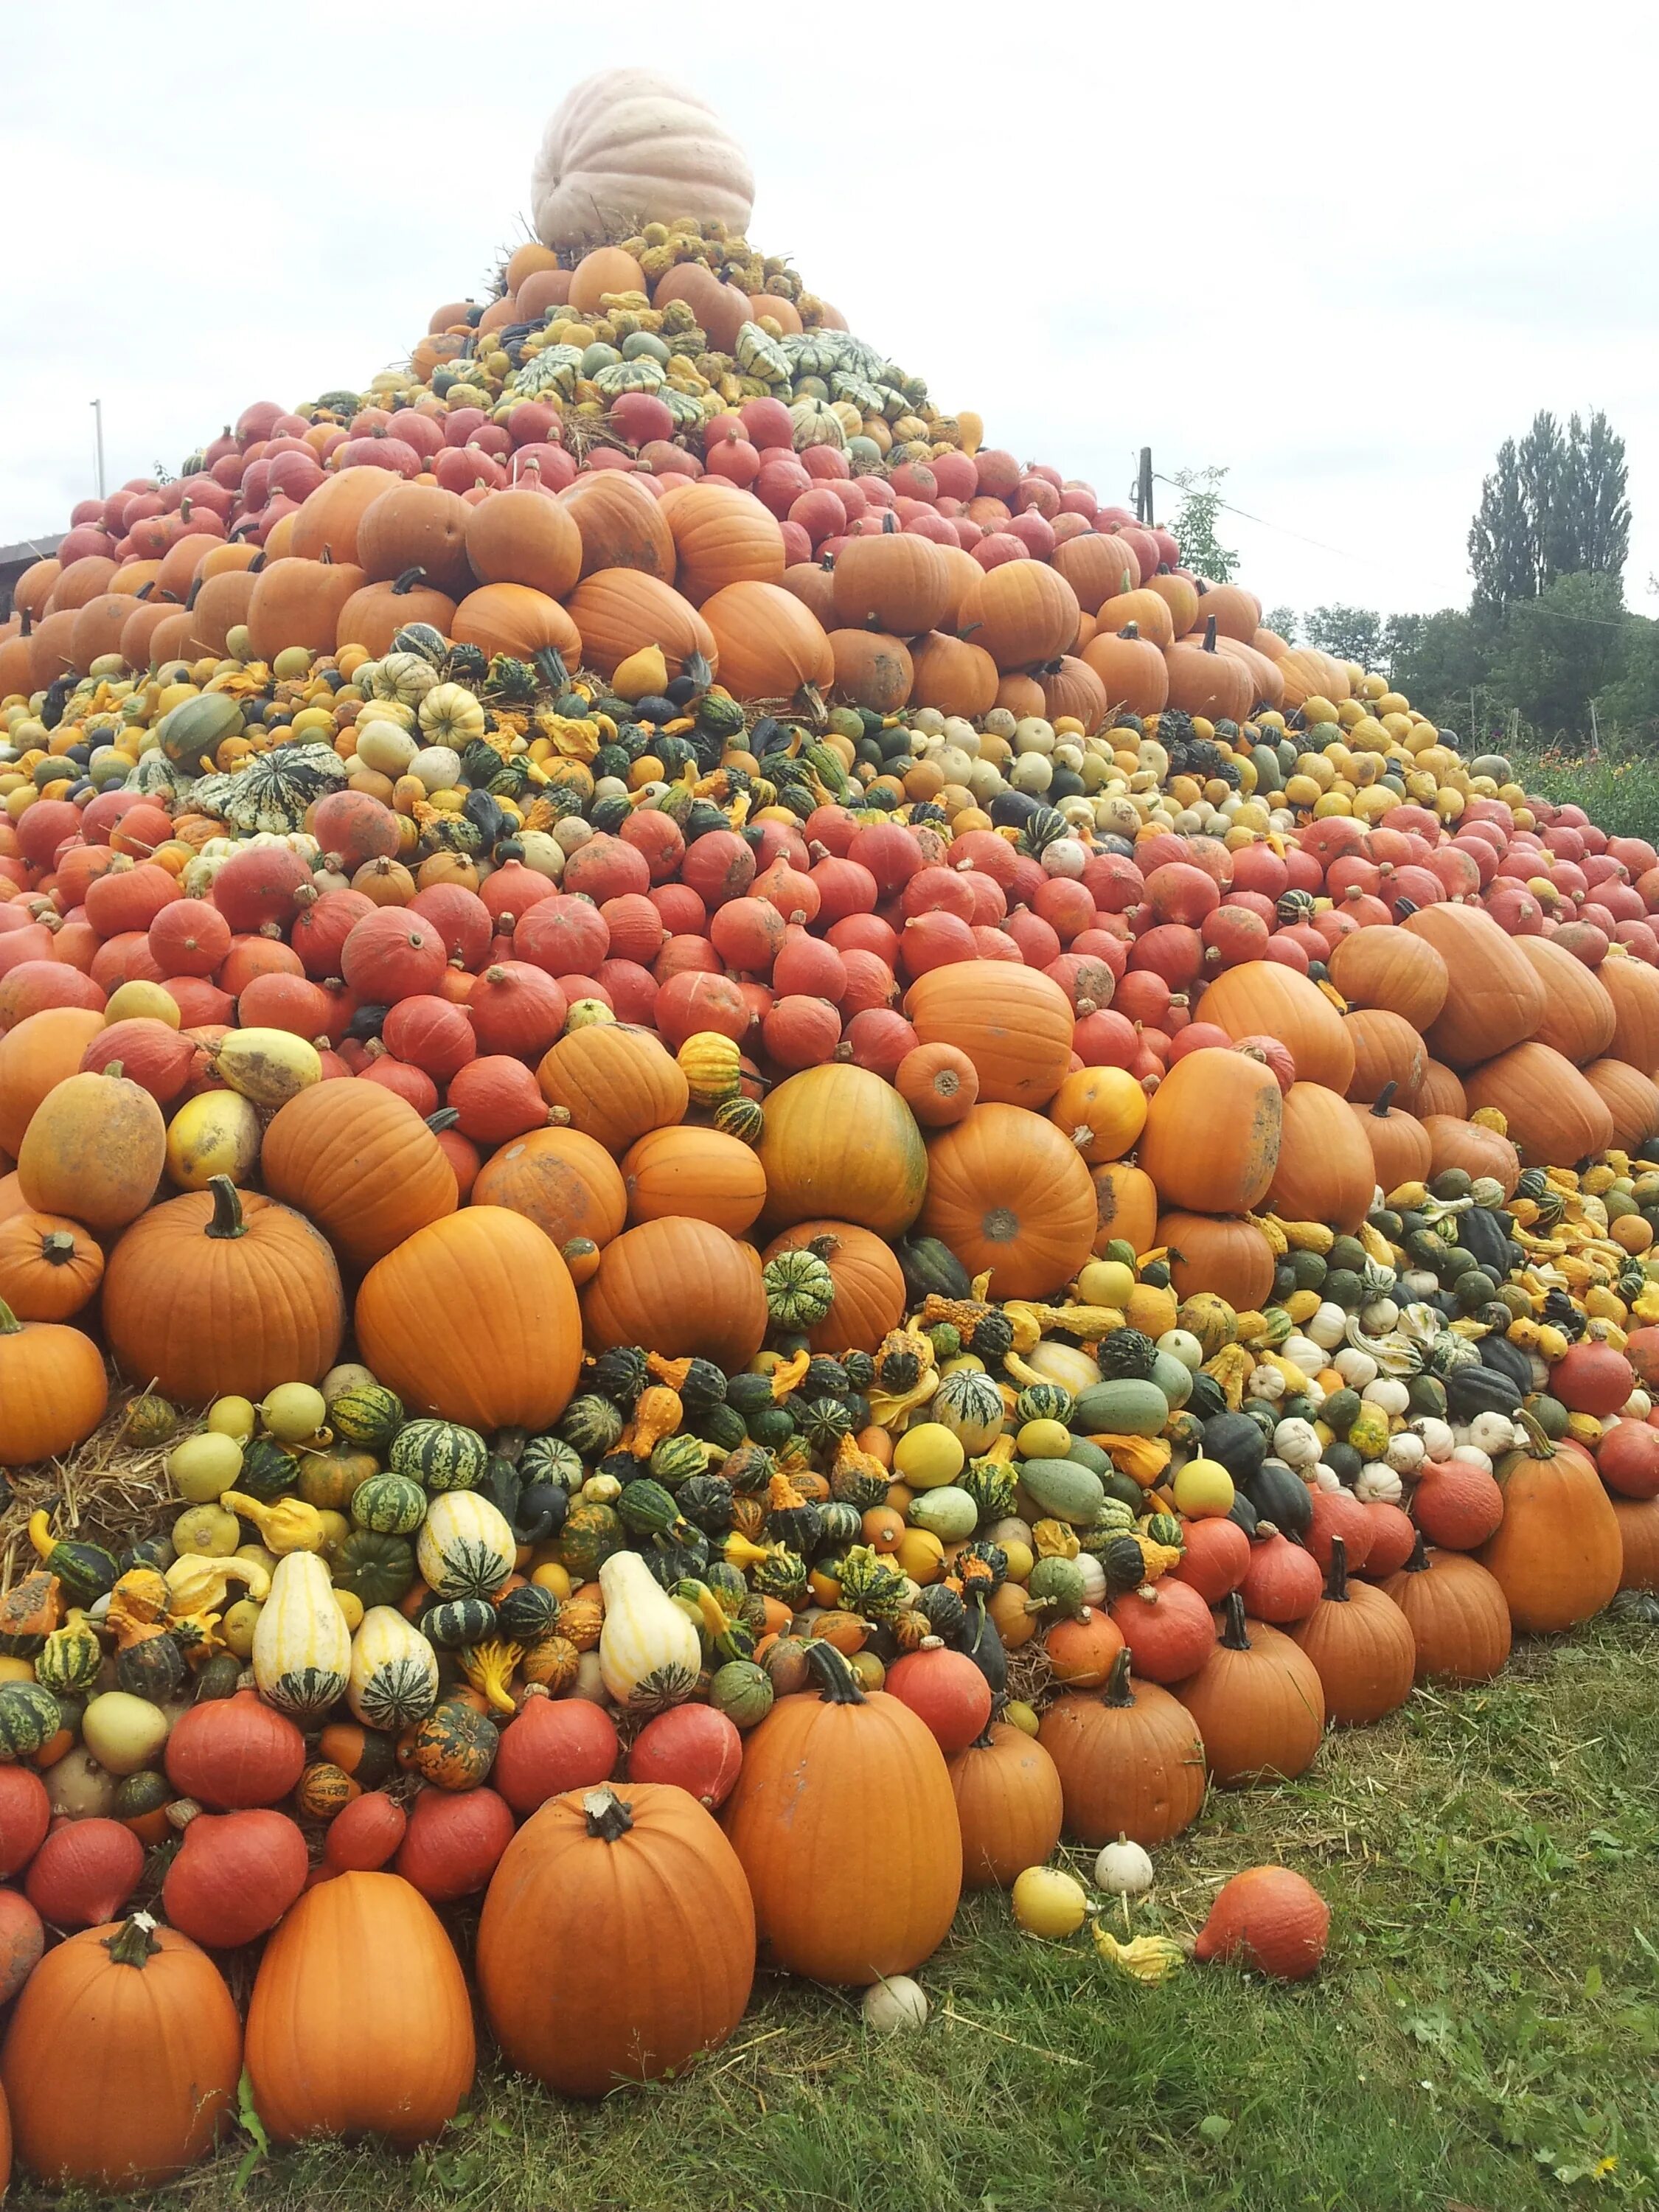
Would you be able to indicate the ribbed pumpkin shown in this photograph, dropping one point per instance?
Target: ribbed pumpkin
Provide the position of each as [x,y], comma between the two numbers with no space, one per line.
[300,602]
[892,580]
[1022,613]
[159,2051]
[1387,1051]
[695,1172]
[1013,1022]
[1457,1612]
[1257,1701]
[1557,1553]
[222,1290]
[474,1318]
[1394,971]
[95,1149]
[840,1142]
[721,536]
[869,1284]
[1630,1098]
[361,1163]
[518,621]
[1130,1760]
[1008,1191]
[1204,680]
[1009,1804]
[1325,1171]
[567,1183]
[845,1823]
[414,526]
[646,1863]
[50,1266]
[614,1081]
[770,645]
[1494,998]
[42,1051]
[1456,1143]
[1639,1532]
[1130,665]
[1213,1138]
[1555,1117]
[619,611]
[1361,1644]
[872,669]
[683,1287]
[1217,1254]
[1579,1018]
[953,674]
[525,537]
[1263,998]
[1103,1110]
[621,526]
[1633,988]
[1401,1148]
[1125,1207]
[360,2020]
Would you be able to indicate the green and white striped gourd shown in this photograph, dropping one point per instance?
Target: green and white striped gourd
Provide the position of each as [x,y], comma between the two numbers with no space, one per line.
[302,1645]
[969,1404]
[650,1653]
[441,1455]
[466,1547]
[394,1671]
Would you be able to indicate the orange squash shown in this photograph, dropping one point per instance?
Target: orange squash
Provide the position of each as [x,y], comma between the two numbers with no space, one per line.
[614,1082]
[1387,1050]
[1557,1552]
[721,536]
[1555,1117]
[840,1142]
[1263,998]
[1022,613]
[1633,988]
[1220,1253]
[1212,1143]
[359,1162]
[695,1172]
[870,1296]
[1394,971]
[683,1287]
[1009,1806]
[770,645]
[1632,1099]
[1013,1022]
[1007,1191]
[1580,1019]
[567,1183]
[95,1149]
[1326,1171]
[1494,998]
[1125,1207]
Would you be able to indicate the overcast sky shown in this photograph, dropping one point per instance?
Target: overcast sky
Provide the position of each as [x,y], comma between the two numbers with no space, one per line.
[1344,252]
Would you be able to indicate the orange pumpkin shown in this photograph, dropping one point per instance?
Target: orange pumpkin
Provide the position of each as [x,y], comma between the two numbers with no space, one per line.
[1130,1760]
[1103,1110]
[516,537]
[415,525]
[1555,1117]
[1013,1022]
[567,1183]
[1009,1807]
[619,610]
[474,1318]
[1632,1101]
[1212,1143]
[1401,1152]
[1022,613]
[1007,1191]
[42,1051]
[1580,1020]
[892,580]
[872,669]
[516,620]
[613,1083]
[1133,671]
[1557,1552]
[1387,1050]
[839,1140]
[1494,999]
[870,1295]
[1326,1171]
[1393,970]
[1456,1143]
[359,1162]
[95,1149]
[721,536]
[1633,988]
[1205,681]
[1219,1254]
[621,526]
[49,1266]
[1125,1207]
[695,1172]
[1264,998]
[770,645]
[683,1287]
[953,674]
[299,601]
[325,528]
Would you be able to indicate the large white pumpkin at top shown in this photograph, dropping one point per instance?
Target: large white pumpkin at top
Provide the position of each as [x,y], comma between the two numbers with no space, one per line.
[627,148]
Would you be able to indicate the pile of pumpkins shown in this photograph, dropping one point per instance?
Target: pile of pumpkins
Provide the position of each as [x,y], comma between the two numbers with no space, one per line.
[759,1112]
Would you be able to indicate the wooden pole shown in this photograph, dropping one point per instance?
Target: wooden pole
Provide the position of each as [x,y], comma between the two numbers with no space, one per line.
[1143,489]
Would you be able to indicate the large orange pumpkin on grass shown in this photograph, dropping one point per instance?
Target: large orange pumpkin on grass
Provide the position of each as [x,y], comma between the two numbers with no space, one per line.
[1009,1805]
[840,1143]
[644,1863]
[1008,1191]
[360,2020]
[683,1287]
[1130,1760]
[845,1824]
[474,1318]
[1557,1553]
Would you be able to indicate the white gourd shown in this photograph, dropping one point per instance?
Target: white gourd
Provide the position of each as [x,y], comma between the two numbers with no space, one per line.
[394,1671]
[302,1645]
[649,1650]
[630,147]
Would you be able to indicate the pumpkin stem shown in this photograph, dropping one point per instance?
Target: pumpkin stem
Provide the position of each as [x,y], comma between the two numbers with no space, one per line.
[1233,1634]
[135,1943]
[1117,1691]
[227,1220]
[1536,1436]
[1130,630]
[407,581]
[1418,1562]
[444,1118]
[840,1685]
[606,1814]
[9,1324]
[984,1740]
[1336,1581]
[1384,1100]
[1209,635]
[58,1248]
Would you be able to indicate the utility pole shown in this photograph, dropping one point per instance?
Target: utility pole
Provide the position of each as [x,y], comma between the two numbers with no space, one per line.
[1143,489]
[98,423]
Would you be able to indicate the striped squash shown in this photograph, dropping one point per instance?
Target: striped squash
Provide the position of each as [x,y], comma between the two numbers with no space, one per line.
[394,1671]
[439,1455]
[466,1547]
[302,1645]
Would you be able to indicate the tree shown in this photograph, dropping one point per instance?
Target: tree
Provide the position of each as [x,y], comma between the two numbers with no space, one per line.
[1629,707]
[1442,662]
[1349,633]
[1561,649]
[1554,505]
[1282,621]
[1195,525]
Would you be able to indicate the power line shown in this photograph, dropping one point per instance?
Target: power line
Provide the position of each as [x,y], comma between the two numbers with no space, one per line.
[1244,515]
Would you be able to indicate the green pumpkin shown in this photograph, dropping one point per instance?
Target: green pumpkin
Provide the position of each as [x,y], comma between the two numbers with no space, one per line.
[718,1425]
[1122,1563]
[192,732]
[870,1585]
[551,1459]
[439,1455]
[772,1426]
[800,1289]
[454,1747]
[781,1574]
[153,1668]
[676,1459]
[69,1660]
[991,1485]
[741,1118]
[646,1509]
[267,1471]
[591,1534]
[367,1414]
[391,1505]
[221,1676]
[1058,1585]
[706,1501]
[621,1374]
[378,1570]
[822,1422]
[590,1425]
[743,1692]
[1164,1528]
[459,1620]
[749,1392]
[29,1718]
[840,1523]
[969,1404]
[1044,1402]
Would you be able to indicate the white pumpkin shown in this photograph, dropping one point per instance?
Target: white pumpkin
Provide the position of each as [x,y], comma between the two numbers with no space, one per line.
[628,146]
[894,2005]
[1124,1869]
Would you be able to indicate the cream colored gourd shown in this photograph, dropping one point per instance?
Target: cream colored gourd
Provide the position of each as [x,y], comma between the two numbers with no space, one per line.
[628,146]
[466,1547]
[270,1066]
[302,1645]
[649,1651]
[394,1671]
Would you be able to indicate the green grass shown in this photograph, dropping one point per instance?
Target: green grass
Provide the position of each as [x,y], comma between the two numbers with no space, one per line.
[1483,2034]
[1619,792]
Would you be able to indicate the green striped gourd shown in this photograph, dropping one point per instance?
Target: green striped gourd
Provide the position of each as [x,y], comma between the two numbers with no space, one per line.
[441,1455]
[302,1645]
[391,1505]
[466,1547]
[393,1680]
[367,1414]
[29,1718]
[970,1405]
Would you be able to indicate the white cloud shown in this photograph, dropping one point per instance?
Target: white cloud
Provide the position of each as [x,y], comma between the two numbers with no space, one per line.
[1344,252]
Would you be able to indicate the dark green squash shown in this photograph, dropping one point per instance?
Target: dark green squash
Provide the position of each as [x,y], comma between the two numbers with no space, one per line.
[458,1621]
[1472,1391]
[1237,1441]
[931,1268]
[391,1505]
[526,1613]
[379,1570]
[152,1668]
[1279,1495]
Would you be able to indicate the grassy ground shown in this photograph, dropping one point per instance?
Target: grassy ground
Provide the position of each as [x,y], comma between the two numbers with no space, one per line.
[1619,791]
[1484,2034]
